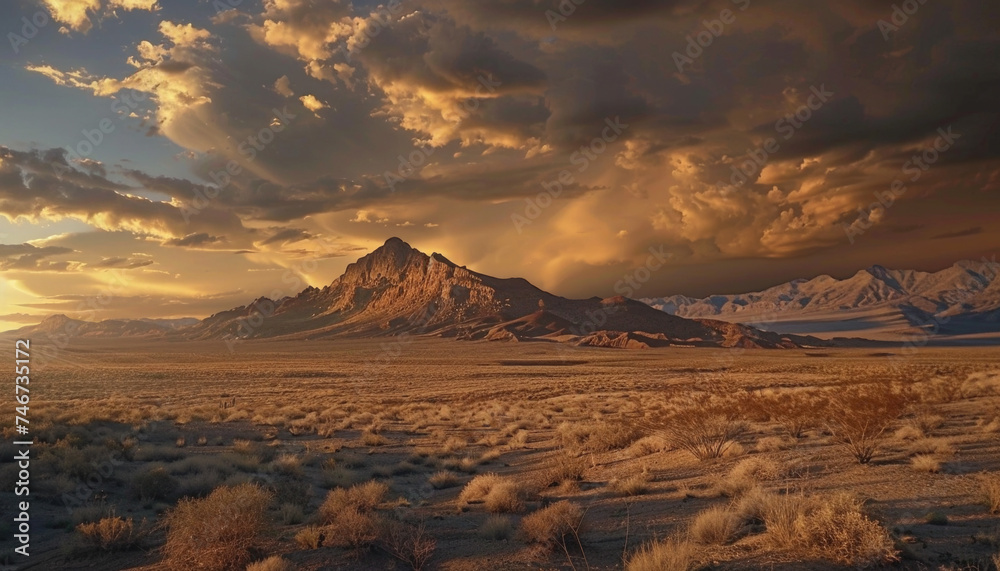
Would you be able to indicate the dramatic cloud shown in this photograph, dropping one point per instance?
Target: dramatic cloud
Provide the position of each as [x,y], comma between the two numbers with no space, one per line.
[554,140]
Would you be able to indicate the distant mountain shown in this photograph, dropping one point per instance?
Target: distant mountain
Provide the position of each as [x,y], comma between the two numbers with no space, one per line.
[61,325]
[962,300]
[399,290]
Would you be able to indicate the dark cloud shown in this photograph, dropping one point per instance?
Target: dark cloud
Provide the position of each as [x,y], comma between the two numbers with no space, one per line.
[26,257]
[958,233]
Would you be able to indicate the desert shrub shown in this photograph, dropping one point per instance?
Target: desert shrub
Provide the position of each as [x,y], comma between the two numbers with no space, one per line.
[505,497]
[561,469]
[797,412]
[443,479]
[859,416]
[715,526]
[925,463]
[645,446]
[369,438]
[291,514]
[989,485]
[939,446]
[668,555]
[478,487]
[706,427]
[497,528]
[753,504]
[217,532]
[551,527]
[408,543]
[111,534]
[273,563]
[288,464]
[361,498]
[746,474]
[607,436]
[309,537]
[774,444]
[834,528]
[153,484]
[634,485]
[352,529]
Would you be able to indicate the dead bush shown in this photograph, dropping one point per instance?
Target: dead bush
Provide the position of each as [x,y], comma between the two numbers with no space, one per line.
[217,532]
[556,526]
[310,537]
[154,484]
[989,484]
[797,412]
[408,543]
[668,555]
[112,534]
[706,427]
[860,415]
[273,563]
[715,526]
[443,479]
[361,498]
[834,528]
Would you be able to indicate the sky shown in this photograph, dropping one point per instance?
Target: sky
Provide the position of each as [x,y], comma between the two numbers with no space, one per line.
[170,159]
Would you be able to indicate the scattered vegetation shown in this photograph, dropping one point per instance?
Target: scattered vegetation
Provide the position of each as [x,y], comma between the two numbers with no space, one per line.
[217,532]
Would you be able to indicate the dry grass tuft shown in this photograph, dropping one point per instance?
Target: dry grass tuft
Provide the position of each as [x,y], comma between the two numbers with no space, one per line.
[939,446]
[111,534]
[634,485]
[310,537]
[668,555]
[834,528]
[505,497]
[989,485]
[774,443]
[360,498]
[217,532]
[443,479]
[715,526]
[273,563]
[497,528]
[925,463]
[551,526]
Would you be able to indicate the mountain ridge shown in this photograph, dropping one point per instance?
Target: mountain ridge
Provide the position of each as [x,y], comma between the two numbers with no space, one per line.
[962,299]
[397,289]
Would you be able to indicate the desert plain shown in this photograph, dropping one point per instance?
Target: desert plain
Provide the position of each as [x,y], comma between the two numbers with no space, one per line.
[464,455]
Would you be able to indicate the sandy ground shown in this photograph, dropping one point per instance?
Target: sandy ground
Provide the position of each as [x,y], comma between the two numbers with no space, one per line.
[475,408]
